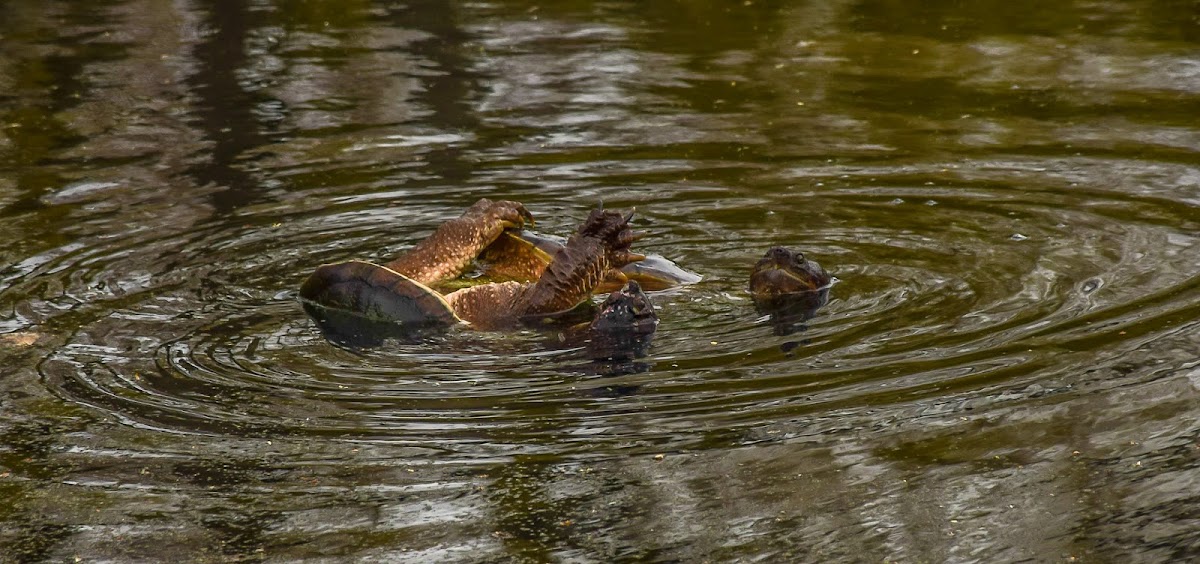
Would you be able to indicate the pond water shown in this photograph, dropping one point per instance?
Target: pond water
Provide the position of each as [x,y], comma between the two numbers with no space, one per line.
[1008,369]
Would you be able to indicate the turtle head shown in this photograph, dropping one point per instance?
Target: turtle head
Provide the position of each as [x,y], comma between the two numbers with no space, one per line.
[626,310]
[783,271]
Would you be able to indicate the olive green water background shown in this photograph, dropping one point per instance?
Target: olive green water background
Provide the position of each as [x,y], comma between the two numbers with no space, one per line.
[1009,368]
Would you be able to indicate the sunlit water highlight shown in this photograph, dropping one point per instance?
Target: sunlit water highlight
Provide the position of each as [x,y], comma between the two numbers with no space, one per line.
[1007,367]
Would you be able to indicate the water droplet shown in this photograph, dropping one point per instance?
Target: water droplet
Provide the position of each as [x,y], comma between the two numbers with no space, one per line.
[1018,237]
[1092,285]
[898,201]
[931,202]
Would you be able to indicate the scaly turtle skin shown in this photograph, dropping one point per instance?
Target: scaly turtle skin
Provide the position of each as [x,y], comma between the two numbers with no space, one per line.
[554,280]
[627,310]
[446,253]
[399,291]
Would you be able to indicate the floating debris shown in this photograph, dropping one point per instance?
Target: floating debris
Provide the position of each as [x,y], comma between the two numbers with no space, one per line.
[19,339]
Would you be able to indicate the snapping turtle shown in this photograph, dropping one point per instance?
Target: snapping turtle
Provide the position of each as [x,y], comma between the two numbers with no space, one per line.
[622,326]
[546,282]
[782,272]
[788,288]
[400,291]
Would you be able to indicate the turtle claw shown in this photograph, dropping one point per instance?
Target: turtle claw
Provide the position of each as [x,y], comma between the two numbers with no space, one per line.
[626,238]
[507,213]
[622,258]
[514,215]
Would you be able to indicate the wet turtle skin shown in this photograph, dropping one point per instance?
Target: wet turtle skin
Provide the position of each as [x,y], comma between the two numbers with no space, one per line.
[399,291]
[782,271]
[446,253]
[626,310]
[789,289]
[783,283]
[623,326]
[599,246]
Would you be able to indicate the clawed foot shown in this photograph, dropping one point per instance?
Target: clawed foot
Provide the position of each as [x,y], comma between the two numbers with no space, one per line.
[499,215]
[612,228]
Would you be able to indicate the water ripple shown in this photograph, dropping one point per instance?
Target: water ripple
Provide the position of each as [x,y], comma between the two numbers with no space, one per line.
[954,287]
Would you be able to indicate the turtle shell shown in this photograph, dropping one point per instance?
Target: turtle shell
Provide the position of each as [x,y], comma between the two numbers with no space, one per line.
[377,293]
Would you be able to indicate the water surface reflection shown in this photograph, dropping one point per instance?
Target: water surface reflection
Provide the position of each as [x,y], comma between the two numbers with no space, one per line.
[1006,371]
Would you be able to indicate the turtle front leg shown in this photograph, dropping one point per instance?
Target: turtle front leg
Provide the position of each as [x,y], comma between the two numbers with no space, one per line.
[600,246]
[446,253]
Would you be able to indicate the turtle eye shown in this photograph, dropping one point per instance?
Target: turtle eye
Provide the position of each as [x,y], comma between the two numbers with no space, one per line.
[798,259]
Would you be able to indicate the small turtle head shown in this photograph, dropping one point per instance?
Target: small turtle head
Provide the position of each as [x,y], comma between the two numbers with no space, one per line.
[628,309]
[779,257]
[783,271]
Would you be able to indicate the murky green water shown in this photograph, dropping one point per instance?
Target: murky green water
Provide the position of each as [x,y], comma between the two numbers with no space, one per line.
[1009,193]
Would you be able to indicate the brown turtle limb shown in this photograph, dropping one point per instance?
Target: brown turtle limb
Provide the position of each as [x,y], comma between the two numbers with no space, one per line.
[522,256]
[399,292]
[600,245]
[487,306]
[446,253]
[598,248]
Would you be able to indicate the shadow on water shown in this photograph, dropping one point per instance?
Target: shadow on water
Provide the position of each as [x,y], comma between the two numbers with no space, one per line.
[356,332]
